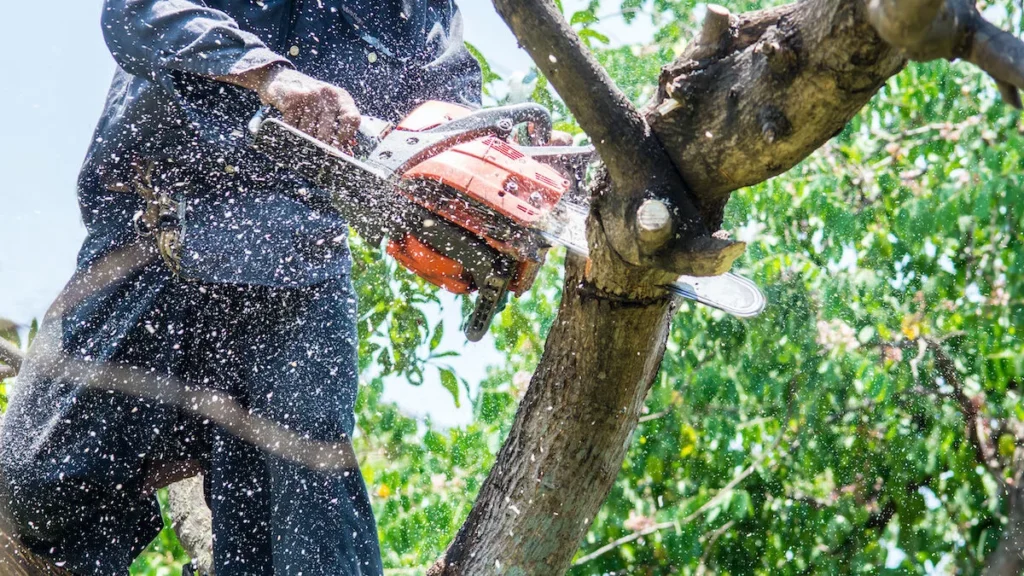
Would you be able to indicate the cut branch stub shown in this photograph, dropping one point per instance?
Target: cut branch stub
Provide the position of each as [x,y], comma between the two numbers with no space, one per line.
[654,225]
[713,33]
[908,23]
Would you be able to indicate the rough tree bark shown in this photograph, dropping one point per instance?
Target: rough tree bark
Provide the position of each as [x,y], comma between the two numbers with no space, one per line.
[1008,558]
[751,97]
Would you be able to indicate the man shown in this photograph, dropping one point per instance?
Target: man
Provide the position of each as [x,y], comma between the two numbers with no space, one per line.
[201,270]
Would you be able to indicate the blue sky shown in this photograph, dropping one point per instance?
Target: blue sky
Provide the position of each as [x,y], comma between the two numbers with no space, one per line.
[56,73]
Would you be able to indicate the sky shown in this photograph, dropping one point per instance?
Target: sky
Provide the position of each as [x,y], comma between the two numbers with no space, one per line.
[56,73]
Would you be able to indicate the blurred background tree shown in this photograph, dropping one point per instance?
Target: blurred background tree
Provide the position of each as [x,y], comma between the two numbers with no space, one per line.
[870,421]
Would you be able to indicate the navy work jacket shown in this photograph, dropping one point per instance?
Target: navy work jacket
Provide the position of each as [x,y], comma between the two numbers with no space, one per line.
[168,125]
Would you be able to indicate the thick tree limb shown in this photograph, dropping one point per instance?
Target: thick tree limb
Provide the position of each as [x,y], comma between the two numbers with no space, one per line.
[192,522]
[949,29]
[784,82]
[788,78]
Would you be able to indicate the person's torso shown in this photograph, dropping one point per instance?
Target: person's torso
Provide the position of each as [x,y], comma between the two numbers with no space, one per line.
[242,224]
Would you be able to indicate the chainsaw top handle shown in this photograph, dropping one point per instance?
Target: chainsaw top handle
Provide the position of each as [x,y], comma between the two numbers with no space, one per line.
[501,119]
[504,119]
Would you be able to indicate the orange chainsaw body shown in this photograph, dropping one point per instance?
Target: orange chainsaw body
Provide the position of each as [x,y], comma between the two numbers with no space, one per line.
[485,185]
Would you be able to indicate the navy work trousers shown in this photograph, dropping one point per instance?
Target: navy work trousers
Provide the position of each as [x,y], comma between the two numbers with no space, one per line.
[73,457]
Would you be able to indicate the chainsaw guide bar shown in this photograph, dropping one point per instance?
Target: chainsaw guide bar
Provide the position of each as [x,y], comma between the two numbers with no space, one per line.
[461,206]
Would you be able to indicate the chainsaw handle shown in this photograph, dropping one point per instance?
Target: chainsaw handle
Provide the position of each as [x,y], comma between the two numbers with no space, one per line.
[366,137]
[504,119]
[537,115]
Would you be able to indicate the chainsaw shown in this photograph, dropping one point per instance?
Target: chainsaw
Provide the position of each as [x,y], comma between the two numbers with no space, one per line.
[462,204]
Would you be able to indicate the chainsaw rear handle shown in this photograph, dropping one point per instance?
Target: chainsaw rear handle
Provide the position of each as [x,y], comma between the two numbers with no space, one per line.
[366,137]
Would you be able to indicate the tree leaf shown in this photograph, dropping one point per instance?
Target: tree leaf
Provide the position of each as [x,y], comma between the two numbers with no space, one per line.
[487,73]
[583,17]
[435,340]
[588,34]
[450,383]
[33,329]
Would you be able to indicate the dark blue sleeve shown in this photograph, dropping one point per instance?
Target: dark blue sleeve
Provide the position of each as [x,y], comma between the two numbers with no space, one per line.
[155,38]
[455,73]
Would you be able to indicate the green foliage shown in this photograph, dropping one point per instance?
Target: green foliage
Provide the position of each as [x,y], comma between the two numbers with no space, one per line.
[489,76]
[905,226]
[9,332]
[164,555]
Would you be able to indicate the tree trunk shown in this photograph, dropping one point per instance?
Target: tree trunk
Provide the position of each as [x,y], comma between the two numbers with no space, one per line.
[1008,557]
[569,438]
[748,100]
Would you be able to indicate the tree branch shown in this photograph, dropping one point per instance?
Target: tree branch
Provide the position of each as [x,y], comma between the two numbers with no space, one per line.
[11,356]
[969,407]
[724,492]
[192,522]
[712,539]
[1008,558]
[636,162]
[781,83]
[949,29]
